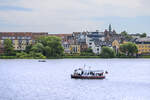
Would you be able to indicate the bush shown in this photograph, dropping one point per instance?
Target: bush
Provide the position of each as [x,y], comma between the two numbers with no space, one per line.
[130,49]
[145,56]
[81,57]
[7,57]
[31,55]
[23,55]
[87,54]
[36,55]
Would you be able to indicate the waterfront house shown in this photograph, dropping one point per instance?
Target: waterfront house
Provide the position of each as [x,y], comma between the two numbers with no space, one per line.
[74,49]
[143,45]
[116,46]
[91,36]
[80,39]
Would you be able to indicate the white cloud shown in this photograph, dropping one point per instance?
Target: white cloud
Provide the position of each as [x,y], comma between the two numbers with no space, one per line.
[69,15]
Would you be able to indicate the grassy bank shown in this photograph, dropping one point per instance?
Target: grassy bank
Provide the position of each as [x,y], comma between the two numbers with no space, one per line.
[8,57]
[145,56]
[15,57]
[81,57]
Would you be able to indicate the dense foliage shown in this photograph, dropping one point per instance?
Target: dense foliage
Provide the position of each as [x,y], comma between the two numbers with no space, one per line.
[28,48]
[88,52]
[45,47]
[31,55]
[129,49]
[126,35]
[8,47]
[49,46]
[107,52]
[143,35]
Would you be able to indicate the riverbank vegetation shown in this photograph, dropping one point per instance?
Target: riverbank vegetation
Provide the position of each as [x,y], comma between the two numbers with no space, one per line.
[107,52]
[44,47]
[128,49]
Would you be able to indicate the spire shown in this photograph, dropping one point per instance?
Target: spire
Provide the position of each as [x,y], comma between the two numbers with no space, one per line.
[109,28]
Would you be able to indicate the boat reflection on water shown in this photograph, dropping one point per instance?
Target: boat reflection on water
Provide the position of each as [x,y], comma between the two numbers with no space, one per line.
[88,74]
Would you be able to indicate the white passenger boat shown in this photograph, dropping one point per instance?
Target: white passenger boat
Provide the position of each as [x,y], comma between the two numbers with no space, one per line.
[88,74]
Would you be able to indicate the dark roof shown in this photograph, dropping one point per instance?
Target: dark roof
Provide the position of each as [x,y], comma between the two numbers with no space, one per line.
[102,43]
[95,35]
[142,41]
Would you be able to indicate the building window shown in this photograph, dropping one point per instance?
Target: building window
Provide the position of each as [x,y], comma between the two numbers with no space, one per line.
[13,37]
[20,42]
[2,42]
[97,49]
[27,42]
[20,37]
[90,43]
[33,41]
[4,37]
[23,37]
[29,37]
[13,42]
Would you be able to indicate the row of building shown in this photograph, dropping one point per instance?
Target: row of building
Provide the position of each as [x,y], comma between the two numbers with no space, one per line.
[77,42]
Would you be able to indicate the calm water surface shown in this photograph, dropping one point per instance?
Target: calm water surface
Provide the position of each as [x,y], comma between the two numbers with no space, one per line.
[128,79]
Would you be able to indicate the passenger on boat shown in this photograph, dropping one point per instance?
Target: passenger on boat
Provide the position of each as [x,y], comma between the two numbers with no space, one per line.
[100,74]
[106,72]
[91,73]
[82,72]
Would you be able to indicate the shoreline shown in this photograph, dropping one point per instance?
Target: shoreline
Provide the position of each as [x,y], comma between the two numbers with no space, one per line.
[77,57]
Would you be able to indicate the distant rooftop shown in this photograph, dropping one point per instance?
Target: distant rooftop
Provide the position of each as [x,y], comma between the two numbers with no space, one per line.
[143,39]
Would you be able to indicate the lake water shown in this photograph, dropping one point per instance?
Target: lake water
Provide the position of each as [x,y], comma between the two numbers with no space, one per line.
[128,79]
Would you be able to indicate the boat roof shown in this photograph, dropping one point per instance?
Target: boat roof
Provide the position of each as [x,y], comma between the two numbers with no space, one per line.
[85,70]
[94,70]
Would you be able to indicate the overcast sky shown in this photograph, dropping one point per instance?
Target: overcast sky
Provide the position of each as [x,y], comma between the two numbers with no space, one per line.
[67,16]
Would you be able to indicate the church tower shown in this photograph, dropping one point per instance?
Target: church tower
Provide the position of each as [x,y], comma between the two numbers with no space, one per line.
[110,29]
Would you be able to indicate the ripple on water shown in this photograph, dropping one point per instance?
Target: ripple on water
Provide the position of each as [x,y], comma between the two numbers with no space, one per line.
[128,79]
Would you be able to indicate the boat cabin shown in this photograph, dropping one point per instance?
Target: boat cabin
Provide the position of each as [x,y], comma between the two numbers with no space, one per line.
[82,72]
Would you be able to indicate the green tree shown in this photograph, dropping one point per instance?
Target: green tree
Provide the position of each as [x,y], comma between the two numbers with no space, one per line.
[28,48]
[38,48]
[107,52]
[87,52]
[143,35]
[126,35]
[129,49]
[31,55]
[51,46]
[36,55]
[8,47]
[47,50]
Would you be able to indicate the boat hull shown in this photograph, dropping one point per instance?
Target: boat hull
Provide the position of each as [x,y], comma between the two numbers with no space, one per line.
[87,77]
